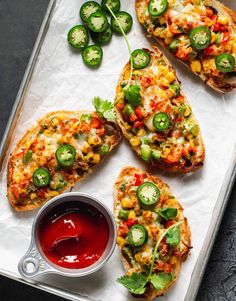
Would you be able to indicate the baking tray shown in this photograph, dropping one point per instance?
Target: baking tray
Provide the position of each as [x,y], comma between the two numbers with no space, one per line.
[217,213]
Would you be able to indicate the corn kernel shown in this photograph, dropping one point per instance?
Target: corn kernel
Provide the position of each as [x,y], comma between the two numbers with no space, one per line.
[127,126]
[86,148]
[96,158]
[173,260]
[53,193]
[234,47]
[55,122]
[162,70]
[94,140]
[196,66]
[47,133]
[169,34]
[127,203]
[132,214]
[170,76]
[135,141]
[33,195]
[161,20]
[223,20]
[121,241]
[168,40]
[141,133]
[213,37]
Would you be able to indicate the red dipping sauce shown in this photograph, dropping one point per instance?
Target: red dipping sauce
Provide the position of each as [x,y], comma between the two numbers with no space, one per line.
[73,236]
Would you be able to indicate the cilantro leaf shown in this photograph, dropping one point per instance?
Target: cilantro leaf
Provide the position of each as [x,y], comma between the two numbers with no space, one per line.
[132,95]
[134,283]
[161,280]
[173,237]
[168,213]
[104,108]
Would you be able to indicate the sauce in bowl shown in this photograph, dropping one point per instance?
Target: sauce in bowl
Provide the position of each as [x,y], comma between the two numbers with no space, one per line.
[73,236]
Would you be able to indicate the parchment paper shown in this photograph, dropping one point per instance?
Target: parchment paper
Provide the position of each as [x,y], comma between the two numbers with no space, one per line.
[61,81]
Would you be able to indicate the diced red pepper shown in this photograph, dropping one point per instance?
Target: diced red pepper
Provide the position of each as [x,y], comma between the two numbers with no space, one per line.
[169,223]
[95,123]
[139,112]
[133,117]
[209,12]
[137,124]
[225,38]
[120,105]
[138,179]
[219,27]
[41,193]
[131,221]
[209,50]
[122,229]
[16,190]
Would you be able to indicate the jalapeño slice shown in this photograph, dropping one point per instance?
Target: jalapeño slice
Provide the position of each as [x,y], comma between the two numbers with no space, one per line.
[89,8]
[92,55]
[148,194]
[124,19]
[114,5]
[104,37]
[78,37]
[225,62]
[161,122]
[97,22]
[41,177]
[157,7]
[141,58]
[65,155]
[200,37]
[137,235]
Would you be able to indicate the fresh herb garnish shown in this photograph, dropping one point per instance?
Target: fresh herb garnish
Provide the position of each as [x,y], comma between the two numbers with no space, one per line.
[173,237]
[137,281]
[161,280]
[104,108]
[132,95]
[168,213]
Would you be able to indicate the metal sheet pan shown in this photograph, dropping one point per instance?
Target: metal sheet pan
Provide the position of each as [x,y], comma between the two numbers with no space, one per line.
[218,210]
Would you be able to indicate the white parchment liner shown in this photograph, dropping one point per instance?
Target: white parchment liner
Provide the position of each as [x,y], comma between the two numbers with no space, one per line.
[61,81]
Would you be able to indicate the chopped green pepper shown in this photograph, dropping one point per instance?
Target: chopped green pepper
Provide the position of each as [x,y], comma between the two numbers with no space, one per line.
[104,149]
[124,19]
[225,62]
[123,214]
[141,58]
[218,39]
[175,88]
[146,152]
[89,8]
[128,110]
[58,182]
[92,56]
[157,7]
[65,155]
[27,156]
[200,37]
[85,118]
[156,154]
[174,45]
[78,37]
[97,22]
[41,177]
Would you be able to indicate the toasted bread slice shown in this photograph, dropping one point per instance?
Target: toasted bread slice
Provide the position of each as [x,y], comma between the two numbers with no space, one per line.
[181,147]
[177,22]
[137,259]
[85,131]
